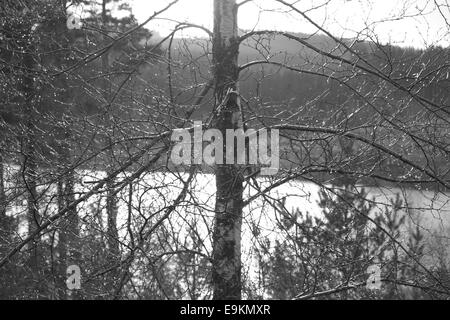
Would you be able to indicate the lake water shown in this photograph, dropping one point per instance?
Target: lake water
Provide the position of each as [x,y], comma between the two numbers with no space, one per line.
[430,210]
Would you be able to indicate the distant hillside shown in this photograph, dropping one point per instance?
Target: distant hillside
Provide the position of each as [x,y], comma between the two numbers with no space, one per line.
[280,86]
[275,91]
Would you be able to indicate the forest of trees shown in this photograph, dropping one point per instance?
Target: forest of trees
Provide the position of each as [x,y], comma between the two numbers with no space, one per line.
[86,117]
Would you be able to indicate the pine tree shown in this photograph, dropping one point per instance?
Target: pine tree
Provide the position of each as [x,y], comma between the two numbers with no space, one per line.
[336,248]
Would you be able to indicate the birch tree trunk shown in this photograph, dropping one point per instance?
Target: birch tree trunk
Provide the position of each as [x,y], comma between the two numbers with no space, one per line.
[2,192]
[111,198]
[226,269]
[68,237]
[4,228]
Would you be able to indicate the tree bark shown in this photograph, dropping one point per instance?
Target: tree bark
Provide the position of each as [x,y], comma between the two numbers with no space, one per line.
[2,192]
[68,237]
[226,265]
[30,163]
[4,226]
[62,246]
[111,198]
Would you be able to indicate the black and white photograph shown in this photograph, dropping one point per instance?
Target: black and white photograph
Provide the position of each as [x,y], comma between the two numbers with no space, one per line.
[243,151]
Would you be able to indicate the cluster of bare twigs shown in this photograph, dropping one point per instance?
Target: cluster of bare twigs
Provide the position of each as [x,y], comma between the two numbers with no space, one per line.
[86,179]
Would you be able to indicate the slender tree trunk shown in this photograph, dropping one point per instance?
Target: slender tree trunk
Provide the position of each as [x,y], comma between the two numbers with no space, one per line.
[4,227]
[68,244]
[111,199]
[68,241]
[112,210]
[62,246]
[2,192]
[32,204]
[30,163]
[226,269]
[33,216]
[6,274]
[74,245]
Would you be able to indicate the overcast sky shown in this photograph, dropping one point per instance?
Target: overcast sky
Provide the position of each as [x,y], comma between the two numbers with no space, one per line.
[422,24]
